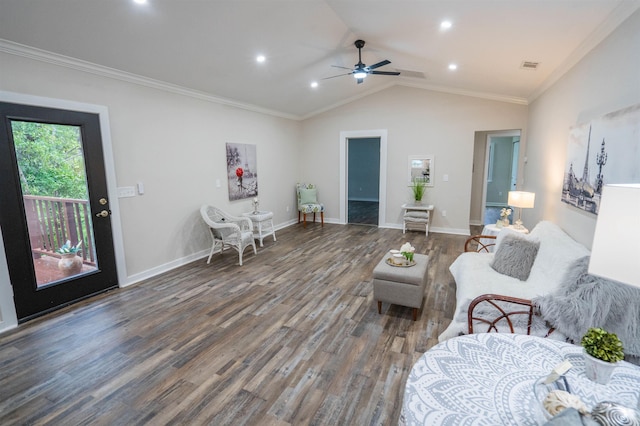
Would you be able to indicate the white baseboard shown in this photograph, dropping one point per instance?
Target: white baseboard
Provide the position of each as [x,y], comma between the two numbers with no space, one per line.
[435,229]
[166,267]
[476,222]
[455,231]
[141,276]
[5,326]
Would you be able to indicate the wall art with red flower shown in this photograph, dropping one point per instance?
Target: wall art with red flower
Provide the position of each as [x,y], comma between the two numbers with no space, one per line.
[242,171]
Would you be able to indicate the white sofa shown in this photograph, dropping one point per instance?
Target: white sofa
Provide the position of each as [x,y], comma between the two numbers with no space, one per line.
[474,275]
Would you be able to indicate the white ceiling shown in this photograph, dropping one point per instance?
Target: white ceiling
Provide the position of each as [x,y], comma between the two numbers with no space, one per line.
[209,46]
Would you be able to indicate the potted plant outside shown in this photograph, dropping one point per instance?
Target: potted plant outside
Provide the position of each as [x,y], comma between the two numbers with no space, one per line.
[70,263]
[418,188]
[602,351]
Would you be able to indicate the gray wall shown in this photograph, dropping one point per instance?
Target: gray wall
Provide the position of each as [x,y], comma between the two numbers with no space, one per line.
[419,122]
[605,80]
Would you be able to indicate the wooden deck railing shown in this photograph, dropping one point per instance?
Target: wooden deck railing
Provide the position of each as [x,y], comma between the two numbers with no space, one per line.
[52,221]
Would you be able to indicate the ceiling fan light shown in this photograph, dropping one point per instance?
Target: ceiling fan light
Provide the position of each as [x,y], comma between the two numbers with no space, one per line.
[359,74]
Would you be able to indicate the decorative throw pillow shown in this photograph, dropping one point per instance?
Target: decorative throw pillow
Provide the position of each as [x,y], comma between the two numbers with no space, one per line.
[308,196]
[515,256]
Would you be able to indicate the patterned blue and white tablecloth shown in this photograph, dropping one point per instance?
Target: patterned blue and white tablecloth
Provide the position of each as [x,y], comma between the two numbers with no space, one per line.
[488,379]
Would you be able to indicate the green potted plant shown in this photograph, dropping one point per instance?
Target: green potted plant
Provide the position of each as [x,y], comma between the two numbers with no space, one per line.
[418,187]
[602,351]
[70,263]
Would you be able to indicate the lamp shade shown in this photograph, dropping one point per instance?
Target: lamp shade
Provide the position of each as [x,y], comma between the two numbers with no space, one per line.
[521,199]
[614,253]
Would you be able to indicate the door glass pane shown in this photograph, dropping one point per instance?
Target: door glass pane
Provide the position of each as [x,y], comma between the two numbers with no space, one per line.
[54,189]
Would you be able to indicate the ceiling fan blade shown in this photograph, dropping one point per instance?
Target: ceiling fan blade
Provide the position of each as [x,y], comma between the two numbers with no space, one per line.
[334,76]
[385,72]
[379,64]
[338,66]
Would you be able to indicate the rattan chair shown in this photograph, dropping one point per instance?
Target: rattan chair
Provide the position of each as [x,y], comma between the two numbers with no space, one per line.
[228,231]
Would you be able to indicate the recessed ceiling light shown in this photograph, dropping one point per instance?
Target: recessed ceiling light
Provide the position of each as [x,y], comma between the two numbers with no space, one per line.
[314,84]
[453,67]
[261,58]
[140,1]
[445,25]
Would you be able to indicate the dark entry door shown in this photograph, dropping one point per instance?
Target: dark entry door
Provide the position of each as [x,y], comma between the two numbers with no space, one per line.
[54,209]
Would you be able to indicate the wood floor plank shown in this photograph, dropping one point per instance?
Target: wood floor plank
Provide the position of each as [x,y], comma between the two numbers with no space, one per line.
[293,337]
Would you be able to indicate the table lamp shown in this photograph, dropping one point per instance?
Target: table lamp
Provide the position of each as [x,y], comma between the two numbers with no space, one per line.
[614,253]
[521,200]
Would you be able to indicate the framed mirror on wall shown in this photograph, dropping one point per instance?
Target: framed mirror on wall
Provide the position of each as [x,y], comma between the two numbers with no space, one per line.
[421,169]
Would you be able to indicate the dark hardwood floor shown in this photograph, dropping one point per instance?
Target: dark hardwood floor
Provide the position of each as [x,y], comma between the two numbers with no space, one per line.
[293,337]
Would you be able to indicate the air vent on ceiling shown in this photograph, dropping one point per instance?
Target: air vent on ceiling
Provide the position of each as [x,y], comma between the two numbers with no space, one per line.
[412,74]
[528,65]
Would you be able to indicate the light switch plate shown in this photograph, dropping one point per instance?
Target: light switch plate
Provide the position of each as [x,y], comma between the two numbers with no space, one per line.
[126,191]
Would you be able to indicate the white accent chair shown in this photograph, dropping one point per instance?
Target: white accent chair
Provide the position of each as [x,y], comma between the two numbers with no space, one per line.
[228,231]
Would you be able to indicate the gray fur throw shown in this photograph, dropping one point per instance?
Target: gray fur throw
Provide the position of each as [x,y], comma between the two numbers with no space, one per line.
[583,301]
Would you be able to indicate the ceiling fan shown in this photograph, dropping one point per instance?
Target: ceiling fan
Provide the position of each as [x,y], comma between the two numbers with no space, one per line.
[362,70]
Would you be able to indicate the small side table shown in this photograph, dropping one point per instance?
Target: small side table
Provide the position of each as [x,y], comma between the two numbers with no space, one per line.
[262,225]
[418,215]
[493,229]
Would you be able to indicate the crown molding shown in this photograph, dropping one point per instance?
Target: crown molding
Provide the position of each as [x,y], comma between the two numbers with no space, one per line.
[36,54]
[349,100]
[29,52]
[613,21]
[472,93]
[434,88]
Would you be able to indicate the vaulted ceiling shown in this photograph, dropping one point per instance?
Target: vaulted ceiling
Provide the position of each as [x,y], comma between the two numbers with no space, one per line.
[210,47]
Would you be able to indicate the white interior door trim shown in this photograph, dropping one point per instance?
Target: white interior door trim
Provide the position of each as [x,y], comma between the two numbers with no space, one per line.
[352,134]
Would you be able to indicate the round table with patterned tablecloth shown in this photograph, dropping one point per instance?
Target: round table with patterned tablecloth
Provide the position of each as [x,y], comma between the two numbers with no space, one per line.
[488,379]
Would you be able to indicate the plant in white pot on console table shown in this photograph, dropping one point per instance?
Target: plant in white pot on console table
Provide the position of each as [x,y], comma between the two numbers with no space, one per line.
[602,351]
[418,187]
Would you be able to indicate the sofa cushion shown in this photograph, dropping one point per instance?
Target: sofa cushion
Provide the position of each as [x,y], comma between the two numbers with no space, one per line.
[557,253]
[515,256]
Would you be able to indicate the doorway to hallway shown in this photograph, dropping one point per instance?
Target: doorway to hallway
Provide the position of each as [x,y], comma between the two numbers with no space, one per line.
[495,173]
[363,180]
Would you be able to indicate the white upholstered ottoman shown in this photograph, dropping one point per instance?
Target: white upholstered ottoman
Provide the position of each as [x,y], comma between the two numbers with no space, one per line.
[401,285]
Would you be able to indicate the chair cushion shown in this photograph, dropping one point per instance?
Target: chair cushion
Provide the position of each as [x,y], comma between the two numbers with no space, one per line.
[308,196]
[311,208]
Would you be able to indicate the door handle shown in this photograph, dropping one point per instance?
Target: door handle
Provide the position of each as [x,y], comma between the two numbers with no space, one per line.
[103,213]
